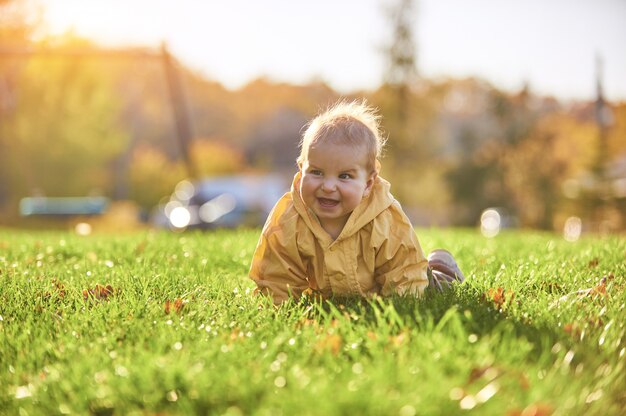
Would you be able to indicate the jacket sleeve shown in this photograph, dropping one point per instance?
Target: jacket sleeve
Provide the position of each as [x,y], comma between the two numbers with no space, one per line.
[276,267]
[401,266]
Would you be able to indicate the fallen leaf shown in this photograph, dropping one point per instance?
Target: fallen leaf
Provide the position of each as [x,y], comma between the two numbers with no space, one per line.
[499,297]
[572,329]
[599,291]
[57,291]
[575,329]
[490,373]
[596,323]
[600,288]
[141,247]
[569,327]
[476,373]
[330,343]
[313,294]
[535,409]
[59,287]
[99,292]
[312,323]
[524,382]
[235,334]
[175,306]
[398,340]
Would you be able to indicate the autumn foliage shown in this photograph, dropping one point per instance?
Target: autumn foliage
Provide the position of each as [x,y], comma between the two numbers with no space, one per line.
[464,144]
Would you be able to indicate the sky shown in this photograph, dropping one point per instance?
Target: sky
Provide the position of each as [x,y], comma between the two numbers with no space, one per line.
[551,45]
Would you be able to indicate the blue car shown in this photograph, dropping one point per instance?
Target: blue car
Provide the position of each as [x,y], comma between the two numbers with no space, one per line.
[221,202]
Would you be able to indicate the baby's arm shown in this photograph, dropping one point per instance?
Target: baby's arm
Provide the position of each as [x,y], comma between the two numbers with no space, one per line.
[277,268]
[403,273]
[401,266]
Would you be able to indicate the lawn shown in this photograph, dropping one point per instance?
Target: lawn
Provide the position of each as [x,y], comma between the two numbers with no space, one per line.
[165,323]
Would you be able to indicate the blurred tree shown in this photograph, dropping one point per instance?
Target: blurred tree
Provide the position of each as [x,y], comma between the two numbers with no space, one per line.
[19,19]
[400,54]
[489,125]
[64,131]
[475,179]
[274,143]
[535,169]
[598,194]
[410,160]
[455,146]
[16,29]
[408,107]
[153,176]
[145,108]
[215,157]
[616,141]
[617,162]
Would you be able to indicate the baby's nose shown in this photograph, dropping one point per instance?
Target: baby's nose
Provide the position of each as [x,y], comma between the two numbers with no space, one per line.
[329,185]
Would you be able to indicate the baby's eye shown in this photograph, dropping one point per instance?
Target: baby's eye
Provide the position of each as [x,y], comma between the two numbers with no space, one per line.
[345,176]
[315,172]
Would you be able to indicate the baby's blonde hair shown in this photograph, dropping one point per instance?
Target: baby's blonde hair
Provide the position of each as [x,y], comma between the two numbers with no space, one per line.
[354,123]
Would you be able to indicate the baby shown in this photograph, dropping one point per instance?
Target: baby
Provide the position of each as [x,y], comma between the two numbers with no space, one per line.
[339,231]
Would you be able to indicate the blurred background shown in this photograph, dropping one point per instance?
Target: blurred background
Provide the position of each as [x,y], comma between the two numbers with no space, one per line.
[122,115]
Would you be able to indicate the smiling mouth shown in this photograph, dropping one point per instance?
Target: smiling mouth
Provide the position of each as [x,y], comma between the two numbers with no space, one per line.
[327,203]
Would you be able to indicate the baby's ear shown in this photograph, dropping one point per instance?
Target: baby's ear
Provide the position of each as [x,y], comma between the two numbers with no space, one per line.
[370,183]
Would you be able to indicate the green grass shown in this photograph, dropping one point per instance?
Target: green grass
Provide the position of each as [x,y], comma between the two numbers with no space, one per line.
[533,347]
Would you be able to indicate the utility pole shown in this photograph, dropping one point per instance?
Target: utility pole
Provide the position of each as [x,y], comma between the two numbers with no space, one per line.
[180,110]
[401,55]
[603,120]
[603,117]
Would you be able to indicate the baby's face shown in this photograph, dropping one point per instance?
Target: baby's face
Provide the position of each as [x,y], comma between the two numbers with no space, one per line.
[335,179]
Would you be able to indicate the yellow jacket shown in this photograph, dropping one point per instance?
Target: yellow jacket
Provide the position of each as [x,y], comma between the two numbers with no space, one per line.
[376,253]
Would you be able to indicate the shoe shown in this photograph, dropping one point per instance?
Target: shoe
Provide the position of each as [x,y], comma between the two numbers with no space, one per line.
[443,262]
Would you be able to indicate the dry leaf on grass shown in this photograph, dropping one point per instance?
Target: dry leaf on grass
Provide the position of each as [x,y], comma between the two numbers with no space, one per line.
[331,342]
[99,292]
[58,290]
[499,297]
[535,409]
[176,305]
[597,292]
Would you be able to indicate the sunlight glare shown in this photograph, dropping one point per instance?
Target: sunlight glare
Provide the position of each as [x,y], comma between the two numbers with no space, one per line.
[82,228]
[180,217]
[103,22]
[572,229]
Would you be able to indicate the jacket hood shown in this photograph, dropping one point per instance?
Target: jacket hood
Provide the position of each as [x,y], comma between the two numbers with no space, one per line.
[370,207]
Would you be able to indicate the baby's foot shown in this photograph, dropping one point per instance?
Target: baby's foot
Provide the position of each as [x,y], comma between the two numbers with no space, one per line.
[443,262]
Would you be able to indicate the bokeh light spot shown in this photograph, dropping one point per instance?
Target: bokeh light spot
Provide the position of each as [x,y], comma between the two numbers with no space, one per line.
[572,229]
[490,222]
